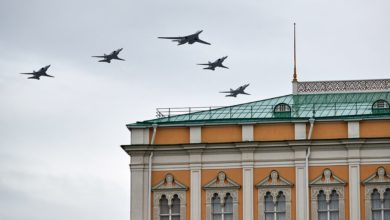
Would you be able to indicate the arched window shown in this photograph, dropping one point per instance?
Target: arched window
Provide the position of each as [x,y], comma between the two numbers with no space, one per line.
[380,209]
[328,210]
[376,205]
[282,110]
[281,207]
[322,206]
[275,209]
[164,208]
[222,210]
[269,207]
[170,211]
[175,213]
[228,209]
[216,207]
[334,206]
[380,106]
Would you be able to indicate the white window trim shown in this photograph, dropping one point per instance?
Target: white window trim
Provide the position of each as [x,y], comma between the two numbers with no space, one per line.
[274,184]
[169,187]
[221,185]
[380,181]
[327,182]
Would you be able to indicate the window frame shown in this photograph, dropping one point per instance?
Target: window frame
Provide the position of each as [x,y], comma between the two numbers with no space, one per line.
[221,185]
[274,184]
[380,110]
[327,182]
[379,181]
[169,187]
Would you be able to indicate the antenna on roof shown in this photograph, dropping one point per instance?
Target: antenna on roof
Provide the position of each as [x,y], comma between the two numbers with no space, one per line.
[295,59]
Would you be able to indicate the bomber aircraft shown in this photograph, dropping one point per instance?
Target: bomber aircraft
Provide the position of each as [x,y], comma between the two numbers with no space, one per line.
[235,92]
[39,73]
[190,39]
[213,65]
[112,56]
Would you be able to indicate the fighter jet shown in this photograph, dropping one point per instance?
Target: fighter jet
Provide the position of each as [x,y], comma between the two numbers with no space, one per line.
[213,65]
[112,56]
[41,72]
[235,92]
[190,39]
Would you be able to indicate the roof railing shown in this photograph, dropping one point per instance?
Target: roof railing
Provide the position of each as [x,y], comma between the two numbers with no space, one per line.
[169,112]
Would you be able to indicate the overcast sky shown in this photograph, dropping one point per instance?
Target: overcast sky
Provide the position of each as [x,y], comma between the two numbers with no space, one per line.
[59,137]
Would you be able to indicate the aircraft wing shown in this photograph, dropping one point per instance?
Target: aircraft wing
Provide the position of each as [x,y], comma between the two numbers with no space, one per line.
[99,56]
[203,42]
[174,38]
[225,92]
[29,73]
[232,95]
[206,64]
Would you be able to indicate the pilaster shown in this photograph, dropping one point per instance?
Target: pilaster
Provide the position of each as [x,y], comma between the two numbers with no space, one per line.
[354,182]
[247,157]
[195,189]
[300,179]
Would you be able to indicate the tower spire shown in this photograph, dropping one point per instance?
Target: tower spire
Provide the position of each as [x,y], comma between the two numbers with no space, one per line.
[295,58]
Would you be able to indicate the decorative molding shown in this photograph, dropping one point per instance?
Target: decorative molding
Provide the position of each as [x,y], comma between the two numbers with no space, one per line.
[273,180]
[327,182]
[373,85]
[273,184]
[169,183]
[221,182]
[221,185]
[327,178]
[380,181]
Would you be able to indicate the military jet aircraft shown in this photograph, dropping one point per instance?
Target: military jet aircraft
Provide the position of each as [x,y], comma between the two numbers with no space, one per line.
[39,73]
[190,39]
[112,56]
[235,92]
[213,65]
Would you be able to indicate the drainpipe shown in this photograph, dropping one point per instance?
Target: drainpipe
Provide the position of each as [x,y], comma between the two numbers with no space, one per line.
[311,121]
[150,171]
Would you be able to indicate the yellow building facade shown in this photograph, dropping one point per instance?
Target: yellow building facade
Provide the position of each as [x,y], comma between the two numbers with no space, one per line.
[320,153]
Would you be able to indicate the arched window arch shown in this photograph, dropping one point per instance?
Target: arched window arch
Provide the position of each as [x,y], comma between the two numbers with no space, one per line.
[282,110]
[380,106]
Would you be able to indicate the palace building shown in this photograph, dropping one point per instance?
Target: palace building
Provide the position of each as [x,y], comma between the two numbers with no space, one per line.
[320,153]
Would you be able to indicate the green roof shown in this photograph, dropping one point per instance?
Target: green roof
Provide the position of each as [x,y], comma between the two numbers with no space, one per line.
[303,106]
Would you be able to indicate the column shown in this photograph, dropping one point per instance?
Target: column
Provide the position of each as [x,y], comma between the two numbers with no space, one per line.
[196,187]
[247,157]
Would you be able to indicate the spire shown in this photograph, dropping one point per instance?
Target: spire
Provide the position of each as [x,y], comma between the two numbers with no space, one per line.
[295,59]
